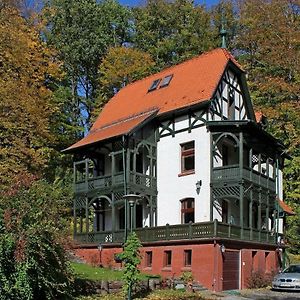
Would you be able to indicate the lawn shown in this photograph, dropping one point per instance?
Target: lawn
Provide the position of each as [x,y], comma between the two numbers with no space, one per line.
[84,271]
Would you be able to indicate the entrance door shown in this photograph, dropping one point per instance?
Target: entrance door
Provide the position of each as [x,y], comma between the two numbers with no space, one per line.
[231,270]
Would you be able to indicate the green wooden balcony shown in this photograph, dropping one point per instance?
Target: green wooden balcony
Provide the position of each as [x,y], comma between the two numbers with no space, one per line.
[109,182]
[191,231]
[227,174]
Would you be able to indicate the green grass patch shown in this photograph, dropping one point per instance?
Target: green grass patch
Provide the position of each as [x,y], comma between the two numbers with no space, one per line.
[85,271]
[88,272]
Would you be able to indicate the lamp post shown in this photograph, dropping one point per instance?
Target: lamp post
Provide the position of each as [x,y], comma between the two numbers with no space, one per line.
[131,199]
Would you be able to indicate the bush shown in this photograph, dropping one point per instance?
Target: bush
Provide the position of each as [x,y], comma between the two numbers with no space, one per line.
[258,280]
[33,262]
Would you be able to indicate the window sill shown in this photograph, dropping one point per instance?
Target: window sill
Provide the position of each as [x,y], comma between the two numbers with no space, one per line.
[186,173]
[167,269]
[148,269]
[186,268]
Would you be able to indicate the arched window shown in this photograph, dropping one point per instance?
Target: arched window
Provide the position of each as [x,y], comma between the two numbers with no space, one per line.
[187,210]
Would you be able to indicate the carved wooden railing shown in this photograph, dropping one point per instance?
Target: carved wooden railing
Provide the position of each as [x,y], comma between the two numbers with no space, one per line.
[196,231]
[232,173]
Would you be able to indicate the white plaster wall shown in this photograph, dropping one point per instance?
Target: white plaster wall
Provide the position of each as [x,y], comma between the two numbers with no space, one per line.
[171,187]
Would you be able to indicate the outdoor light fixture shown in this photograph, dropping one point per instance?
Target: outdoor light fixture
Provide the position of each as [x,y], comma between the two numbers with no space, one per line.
[100,248]
[222,248]
[132,200]
[198,186]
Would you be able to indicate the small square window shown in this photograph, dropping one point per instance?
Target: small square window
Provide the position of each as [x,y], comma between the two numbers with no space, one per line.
[168,258]
[187,258]
[166,81]
[188,157]
[154,85]
[148,259]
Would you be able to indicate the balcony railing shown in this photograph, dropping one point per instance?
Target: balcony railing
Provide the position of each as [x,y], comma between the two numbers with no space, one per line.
[192,231]
[109,181]
[232,173]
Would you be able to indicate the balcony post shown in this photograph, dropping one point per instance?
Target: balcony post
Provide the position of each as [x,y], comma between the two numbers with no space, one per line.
[74,217]
[241,142]
[87,224]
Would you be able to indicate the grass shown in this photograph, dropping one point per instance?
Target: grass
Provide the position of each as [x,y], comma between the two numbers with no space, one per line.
[84,271]
[88,272]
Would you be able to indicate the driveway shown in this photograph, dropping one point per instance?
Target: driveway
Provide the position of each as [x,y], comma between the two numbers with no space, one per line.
[263,294]
[258,294]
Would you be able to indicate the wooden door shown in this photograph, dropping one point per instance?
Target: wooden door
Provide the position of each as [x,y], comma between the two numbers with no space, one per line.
[231,270]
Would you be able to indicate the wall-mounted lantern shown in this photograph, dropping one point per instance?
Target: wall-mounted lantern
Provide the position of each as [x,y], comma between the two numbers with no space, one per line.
[198,186]
[222,248]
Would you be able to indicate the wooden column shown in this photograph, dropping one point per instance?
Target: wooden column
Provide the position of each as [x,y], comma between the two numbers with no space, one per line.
[241,153]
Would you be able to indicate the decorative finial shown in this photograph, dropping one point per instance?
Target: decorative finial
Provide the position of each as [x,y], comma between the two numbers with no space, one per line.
[223,31]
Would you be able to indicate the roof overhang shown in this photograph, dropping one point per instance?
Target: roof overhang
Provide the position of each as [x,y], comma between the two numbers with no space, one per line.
[113,130]
[286,208]
[250,127]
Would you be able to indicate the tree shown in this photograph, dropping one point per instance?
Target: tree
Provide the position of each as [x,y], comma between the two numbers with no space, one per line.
[33,261]
[132,258]
[26,69]
[82,31]
[121,66]
[172,31]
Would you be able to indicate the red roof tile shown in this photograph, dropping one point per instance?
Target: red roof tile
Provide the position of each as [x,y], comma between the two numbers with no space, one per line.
[194,81]
[285,207]
[115,129]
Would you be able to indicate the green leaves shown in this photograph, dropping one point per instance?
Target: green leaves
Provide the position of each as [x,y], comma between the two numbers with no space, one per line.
[132,258]
[33,263]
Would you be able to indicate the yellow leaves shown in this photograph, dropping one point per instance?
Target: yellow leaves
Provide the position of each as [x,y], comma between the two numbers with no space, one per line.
[124,64]
[25,107]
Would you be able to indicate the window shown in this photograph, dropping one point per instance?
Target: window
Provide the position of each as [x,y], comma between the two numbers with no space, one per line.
[231,104]
[187,258]
[154,85]
[149,259]
[165,82]
[168,258]
[188,157]
[187,210]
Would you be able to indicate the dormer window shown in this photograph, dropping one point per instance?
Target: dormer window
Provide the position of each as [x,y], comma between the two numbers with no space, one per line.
[165,82]
[154,85]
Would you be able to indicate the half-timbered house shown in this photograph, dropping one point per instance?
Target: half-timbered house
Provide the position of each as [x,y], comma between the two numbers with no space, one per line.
[207,174]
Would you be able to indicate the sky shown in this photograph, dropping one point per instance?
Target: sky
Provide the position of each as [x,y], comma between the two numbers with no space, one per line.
[208,3]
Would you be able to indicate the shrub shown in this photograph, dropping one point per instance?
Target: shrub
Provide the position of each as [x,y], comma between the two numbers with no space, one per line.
[258,279]
[132,258]
[33,263]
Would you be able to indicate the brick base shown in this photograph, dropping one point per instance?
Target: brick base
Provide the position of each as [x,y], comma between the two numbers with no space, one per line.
[206,261]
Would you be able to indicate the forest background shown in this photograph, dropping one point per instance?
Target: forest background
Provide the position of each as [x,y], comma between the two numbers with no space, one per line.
[61,60]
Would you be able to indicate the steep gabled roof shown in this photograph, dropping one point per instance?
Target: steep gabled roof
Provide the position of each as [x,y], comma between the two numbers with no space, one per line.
[193,81]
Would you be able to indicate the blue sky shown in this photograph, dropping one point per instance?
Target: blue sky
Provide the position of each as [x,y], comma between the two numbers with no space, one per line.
[139,2]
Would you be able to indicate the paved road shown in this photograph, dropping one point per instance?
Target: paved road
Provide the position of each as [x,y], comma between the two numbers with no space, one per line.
[264,294]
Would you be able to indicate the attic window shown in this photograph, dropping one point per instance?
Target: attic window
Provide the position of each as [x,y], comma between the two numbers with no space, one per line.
[154,85]
[166,81]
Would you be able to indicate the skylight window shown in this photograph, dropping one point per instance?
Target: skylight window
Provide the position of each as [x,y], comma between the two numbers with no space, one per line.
[154,85]
[166,81]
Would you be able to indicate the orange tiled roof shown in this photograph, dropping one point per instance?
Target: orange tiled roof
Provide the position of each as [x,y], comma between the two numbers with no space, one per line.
[194,81]
[285,207]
